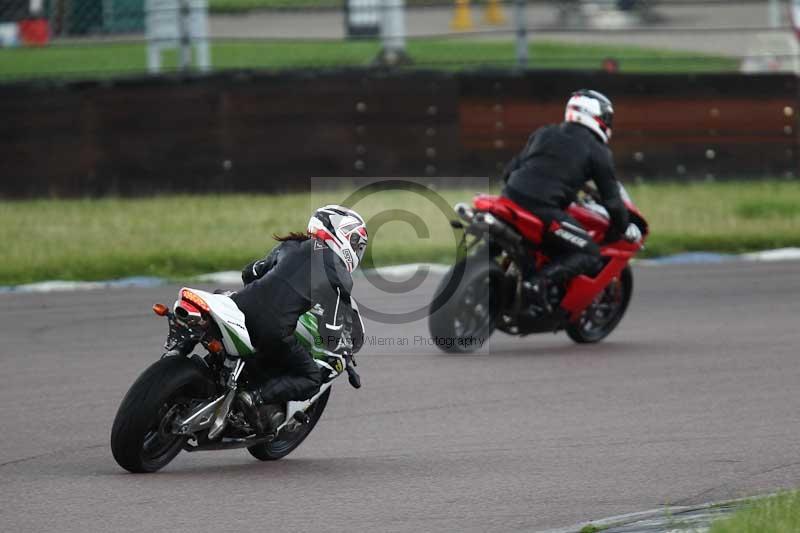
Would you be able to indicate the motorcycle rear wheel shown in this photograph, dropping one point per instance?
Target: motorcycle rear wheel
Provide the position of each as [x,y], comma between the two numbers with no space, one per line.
[141,438]
[287,441]
[605,313]
[464,313]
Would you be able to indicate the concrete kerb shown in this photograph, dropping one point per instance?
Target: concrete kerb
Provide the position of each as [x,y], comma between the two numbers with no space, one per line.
[666,511]
[398,271]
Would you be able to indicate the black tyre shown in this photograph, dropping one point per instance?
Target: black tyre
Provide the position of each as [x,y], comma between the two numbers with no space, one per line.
[604,314]
[287,441]
[466,307]
[140,437]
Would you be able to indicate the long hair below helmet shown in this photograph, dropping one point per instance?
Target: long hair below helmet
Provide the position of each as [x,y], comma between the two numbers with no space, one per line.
[292,236]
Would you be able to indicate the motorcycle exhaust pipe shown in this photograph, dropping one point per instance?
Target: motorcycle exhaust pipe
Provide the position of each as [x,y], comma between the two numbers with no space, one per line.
[228,443]
[186,315]
[488,223]
[464,211]
[499,229]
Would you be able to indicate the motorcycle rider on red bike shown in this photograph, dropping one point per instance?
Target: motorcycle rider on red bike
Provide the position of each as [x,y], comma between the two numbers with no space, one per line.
[545,178]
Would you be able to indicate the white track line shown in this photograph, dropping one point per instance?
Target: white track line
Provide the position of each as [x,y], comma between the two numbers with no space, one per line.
[234,277]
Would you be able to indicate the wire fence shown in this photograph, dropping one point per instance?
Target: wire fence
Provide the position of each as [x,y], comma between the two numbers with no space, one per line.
[108,38]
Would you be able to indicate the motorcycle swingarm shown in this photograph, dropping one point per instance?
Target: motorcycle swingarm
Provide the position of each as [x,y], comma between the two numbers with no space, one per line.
[205,415]
[214,414]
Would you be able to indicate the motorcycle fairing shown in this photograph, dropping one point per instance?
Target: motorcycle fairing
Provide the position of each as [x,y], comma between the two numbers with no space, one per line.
[583,290]
[230,320]
[307,334]
[592,220]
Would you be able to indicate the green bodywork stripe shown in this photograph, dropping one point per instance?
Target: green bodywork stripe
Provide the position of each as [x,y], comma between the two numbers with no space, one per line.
[309,321]
[308,334]
[241,347]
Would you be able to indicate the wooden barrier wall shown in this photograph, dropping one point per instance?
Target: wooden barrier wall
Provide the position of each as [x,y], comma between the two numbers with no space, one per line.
[272,132]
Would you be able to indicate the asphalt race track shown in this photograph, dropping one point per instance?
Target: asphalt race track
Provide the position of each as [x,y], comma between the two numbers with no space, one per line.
[693,399]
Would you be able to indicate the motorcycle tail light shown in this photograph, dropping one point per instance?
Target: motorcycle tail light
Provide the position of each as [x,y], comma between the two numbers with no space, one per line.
[195,300]
[160,309]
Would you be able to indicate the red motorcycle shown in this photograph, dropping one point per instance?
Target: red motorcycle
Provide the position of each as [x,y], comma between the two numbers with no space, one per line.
[488,288]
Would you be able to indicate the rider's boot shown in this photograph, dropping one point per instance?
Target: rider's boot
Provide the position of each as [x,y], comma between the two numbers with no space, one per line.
[539,288]
[558,273]
[265,418]
[536,292]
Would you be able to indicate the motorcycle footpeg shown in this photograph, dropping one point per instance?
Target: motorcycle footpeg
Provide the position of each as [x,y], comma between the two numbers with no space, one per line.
[301,417]
[353,377]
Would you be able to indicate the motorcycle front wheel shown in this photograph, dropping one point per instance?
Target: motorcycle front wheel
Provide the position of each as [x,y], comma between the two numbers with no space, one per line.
[605,313]
[286,441]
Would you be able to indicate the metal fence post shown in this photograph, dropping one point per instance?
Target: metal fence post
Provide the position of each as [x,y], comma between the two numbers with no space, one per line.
[522,33]
[393,33]
[199,35]
[774,13]
[395,37]
[185,37]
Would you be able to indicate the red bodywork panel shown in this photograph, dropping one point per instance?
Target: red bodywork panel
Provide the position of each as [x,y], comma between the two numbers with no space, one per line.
[583,289]
[528,225]
[596,224]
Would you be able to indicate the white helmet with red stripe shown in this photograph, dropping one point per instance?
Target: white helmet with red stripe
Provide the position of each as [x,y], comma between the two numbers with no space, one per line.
[593,110]
[343,230]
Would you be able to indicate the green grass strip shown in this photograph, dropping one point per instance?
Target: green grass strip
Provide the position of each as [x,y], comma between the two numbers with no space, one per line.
[178,236]
[238,6]
[776,514]
[109,60]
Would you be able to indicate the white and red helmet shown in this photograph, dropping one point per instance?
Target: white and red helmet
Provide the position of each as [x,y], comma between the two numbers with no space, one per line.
[343,230]
[593,110]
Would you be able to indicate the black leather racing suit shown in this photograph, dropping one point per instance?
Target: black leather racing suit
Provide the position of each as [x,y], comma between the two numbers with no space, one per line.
[545,178]
[293,278]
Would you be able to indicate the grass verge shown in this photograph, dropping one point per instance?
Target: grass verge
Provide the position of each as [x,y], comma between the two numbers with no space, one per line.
[238,6]
[777,514]
[178,236]
[125,59]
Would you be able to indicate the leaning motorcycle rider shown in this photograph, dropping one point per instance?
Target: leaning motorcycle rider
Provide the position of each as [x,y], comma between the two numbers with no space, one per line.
[305,271]
[555,164]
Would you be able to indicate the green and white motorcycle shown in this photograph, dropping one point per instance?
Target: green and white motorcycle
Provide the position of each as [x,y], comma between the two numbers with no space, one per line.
[185,401]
